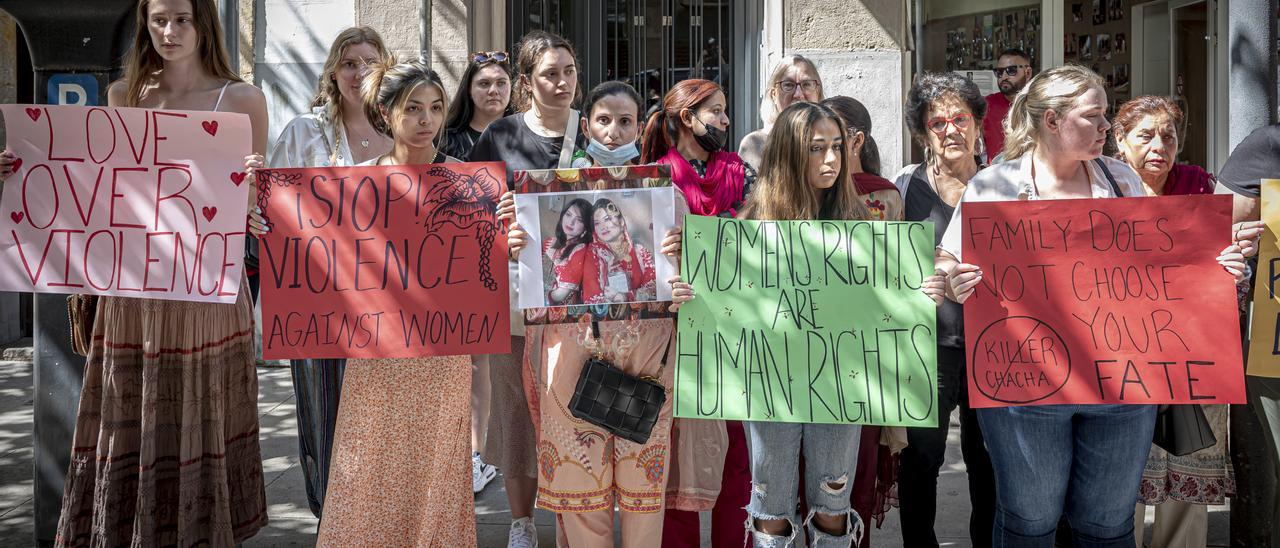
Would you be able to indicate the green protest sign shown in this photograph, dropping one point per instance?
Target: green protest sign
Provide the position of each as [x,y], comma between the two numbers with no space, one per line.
[807,321]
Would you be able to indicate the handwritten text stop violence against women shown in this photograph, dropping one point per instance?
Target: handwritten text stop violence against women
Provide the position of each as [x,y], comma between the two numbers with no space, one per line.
[1101,301]
[396,261]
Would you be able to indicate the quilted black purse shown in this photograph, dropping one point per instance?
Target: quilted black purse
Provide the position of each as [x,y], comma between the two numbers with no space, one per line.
[624,405]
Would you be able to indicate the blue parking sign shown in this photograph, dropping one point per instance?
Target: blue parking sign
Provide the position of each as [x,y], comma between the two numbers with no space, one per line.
[73,89]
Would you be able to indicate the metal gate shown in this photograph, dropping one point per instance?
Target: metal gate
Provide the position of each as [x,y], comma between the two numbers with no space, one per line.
[653,44]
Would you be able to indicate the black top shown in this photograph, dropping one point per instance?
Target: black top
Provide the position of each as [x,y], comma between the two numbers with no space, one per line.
[1257,157]
[458,143]
[510,140]
[923,204]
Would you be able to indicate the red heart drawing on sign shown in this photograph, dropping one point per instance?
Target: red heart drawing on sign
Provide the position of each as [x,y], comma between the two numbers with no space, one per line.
[237,178]
[17,216]
[17,164]
[210,127]
[33,114]
[209,212]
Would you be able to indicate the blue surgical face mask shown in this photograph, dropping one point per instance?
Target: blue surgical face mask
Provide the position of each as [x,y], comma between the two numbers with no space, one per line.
[605,156]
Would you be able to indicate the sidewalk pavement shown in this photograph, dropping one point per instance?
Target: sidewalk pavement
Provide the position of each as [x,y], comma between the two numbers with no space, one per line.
[291,522]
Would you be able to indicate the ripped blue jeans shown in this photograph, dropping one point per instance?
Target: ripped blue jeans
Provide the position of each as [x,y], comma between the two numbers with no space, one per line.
[830,459]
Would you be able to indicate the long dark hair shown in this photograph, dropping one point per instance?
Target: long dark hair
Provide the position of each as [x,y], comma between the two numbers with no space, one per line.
[856,118]
[663,129]
[463,106]
[588,225]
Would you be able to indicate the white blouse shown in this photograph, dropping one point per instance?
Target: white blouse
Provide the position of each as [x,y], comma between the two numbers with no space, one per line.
[307,141]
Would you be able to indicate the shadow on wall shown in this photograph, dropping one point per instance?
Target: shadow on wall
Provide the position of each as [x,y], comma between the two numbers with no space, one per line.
[291,41]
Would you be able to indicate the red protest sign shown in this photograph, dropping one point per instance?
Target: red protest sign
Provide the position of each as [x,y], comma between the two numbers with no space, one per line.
[1101,301]
[125,201]
[383,262]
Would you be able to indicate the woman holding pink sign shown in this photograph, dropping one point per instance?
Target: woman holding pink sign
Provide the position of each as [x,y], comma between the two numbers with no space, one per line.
[166,449]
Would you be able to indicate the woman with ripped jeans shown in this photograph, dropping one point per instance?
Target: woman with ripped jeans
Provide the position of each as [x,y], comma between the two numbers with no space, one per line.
[804,177]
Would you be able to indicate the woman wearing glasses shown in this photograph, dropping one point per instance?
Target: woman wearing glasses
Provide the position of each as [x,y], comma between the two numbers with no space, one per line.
[794,79]
[943,111]
[483,96]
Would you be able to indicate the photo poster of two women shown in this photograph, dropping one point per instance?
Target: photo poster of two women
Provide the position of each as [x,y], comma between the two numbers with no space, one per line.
[594,241]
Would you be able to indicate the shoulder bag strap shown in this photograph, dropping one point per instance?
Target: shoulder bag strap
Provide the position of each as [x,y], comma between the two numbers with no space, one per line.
[570,139]
[1115,187]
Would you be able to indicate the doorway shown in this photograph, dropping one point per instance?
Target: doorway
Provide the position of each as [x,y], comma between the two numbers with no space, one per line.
[653,44]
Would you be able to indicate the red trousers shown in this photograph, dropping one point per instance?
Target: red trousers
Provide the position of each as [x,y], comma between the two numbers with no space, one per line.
[681,529]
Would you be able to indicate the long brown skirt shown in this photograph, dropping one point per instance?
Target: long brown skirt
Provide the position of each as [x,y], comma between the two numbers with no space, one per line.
[166,449]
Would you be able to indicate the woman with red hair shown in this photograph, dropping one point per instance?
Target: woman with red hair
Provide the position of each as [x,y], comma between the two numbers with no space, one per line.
[688,134]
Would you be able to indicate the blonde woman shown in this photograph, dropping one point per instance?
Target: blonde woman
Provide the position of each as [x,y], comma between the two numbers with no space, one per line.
[794,79]
[165,449]
[1084,460]
[401,446]
[335,133]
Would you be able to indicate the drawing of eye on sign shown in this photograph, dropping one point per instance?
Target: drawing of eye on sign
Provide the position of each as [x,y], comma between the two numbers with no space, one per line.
[1101,301]
[125,201]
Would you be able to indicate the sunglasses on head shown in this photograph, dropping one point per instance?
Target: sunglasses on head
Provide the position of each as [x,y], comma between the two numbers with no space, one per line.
[1009,70]
[487,56]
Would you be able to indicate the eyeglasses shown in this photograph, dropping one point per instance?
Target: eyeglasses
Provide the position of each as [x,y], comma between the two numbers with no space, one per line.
[961,121]
[1009,70]
[486,56]
[789,86]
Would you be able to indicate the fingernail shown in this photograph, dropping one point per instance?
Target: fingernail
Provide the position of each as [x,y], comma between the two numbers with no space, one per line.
[257,210]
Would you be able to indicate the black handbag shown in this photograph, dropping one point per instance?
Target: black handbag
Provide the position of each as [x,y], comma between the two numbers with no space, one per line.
[624,405]
[1183,429]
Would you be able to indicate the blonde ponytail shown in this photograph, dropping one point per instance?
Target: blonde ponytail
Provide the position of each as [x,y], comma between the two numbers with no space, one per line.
[1056,89]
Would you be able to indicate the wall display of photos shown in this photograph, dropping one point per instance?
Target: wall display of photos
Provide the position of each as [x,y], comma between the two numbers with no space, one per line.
[1096,34]
[973,41]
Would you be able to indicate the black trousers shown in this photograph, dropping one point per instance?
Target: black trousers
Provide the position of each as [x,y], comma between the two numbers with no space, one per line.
[926,450]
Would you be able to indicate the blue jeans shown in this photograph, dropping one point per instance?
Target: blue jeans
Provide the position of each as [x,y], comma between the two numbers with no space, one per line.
[1086,459]
[830,459]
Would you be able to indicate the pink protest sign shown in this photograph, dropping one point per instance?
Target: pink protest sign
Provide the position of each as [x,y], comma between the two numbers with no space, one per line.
[125,201]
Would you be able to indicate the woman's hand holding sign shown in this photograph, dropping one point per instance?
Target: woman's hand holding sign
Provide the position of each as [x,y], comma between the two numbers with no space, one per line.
[681,292]
[7,162]
[961,281]
[1245,234]
[257,223]
[935,286]
[671,244]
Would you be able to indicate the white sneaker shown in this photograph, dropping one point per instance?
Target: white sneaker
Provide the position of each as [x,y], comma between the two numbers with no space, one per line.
[524,534]
[481,473]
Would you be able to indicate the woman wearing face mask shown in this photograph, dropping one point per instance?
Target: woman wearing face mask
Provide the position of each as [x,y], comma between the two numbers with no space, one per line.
[1084,459]
[805,178]
[541,135]
[156,430]
[399,472]
[483,97]
[794,79]
[575,457]
[944,112]
[1148,131]
[688,134]
[335,133]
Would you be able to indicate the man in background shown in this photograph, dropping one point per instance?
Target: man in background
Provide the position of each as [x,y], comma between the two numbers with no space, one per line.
[1013,71]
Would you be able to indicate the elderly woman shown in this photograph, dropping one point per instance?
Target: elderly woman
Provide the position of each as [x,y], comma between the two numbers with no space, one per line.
[944,112]
[1055,132]
[794,79]
[1148,132]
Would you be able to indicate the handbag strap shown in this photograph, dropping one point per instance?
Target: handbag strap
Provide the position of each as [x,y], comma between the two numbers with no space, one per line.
[570,138]
[666,349]
[1115,187]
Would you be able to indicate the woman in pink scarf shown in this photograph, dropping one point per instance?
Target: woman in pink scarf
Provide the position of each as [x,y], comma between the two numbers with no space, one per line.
[616,270]
[689,134]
